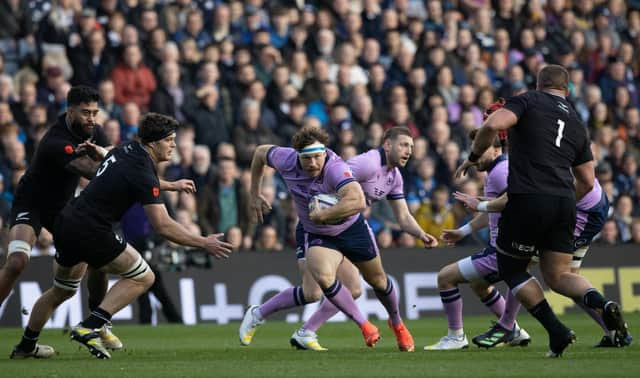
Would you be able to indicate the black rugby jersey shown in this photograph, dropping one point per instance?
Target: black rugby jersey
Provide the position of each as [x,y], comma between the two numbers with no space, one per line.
[547,141]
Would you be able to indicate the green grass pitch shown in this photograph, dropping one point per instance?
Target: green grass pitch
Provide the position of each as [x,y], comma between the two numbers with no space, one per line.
[209,350]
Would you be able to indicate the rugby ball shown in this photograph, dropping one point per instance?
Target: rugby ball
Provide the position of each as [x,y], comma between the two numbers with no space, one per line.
[325,201]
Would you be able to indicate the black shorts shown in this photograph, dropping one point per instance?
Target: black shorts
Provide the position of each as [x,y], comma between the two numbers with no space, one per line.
[75,244]
[533,223]
[24,211]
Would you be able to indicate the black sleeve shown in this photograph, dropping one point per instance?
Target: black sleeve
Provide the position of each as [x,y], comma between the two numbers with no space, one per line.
[146,186]
[57,152]
[584,154]
[518,104]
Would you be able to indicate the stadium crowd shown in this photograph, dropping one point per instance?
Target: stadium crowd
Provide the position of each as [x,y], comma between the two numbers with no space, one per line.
[238,74]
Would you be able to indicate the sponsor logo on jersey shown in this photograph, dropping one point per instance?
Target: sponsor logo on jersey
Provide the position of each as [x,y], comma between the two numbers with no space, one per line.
[523,247]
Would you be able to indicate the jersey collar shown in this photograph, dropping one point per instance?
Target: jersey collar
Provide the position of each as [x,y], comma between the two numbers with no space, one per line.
[383,156]
[500,158]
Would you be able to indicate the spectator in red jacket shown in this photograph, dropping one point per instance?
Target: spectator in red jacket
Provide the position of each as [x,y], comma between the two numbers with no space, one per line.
[133,81]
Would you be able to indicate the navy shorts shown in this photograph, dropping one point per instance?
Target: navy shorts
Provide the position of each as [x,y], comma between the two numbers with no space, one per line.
[357,243]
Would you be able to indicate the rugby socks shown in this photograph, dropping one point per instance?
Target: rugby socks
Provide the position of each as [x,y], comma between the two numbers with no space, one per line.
[97,319]
[595,315]
[322,314]
[29,340]
[593,299]
[286,299]
[494,302]
[511,309]
[452,302]
[542,311]
[389,299]
[341,297]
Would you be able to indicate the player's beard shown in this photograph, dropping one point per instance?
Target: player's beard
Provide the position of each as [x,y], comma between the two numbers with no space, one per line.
[78,129]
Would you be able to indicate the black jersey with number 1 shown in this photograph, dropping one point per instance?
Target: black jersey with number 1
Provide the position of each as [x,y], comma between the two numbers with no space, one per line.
[547,141]
[126,176]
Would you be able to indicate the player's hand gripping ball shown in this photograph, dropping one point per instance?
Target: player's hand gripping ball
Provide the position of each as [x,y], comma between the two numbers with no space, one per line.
[325,201]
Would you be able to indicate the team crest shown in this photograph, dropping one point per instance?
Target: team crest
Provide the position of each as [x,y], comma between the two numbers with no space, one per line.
[156,191]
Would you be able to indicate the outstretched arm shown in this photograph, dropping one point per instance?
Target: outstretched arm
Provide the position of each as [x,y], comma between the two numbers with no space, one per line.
[453,236]
[174,231]
[501,119]
[259,204]
[408,223]
[184,185]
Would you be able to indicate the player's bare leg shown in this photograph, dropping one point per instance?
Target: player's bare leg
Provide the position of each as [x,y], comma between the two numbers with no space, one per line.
[22,237]
[306,337]
[136,278]
[373,272]
[66,283]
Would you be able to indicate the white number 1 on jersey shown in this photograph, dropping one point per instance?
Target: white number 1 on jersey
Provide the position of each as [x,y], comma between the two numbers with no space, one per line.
[560,130]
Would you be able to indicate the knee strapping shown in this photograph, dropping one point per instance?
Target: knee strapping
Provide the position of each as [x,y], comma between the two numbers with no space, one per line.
[138,270]
[68,285]
[19,246]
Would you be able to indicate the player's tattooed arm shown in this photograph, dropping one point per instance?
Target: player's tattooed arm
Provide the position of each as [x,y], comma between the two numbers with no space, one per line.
[83,166]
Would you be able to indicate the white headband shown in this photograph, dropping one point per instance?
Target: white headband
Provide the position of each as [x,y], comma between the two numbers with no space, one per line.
[312,149]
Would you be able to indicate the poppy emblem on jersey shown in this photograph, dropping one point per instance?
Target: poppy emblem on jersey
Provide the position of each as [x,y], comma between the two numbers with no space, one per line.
[156,191]
[347,174]
[68,149]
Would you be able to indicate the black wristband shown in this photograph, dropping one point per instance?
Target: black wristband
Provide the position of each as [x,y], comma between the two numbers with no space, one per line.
[473,157]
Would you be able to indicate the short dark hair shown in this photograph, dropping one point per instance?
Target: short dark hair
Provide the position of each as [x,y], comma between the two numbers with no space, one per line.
[553,76]
[395,132]
[82,94]
[308,135]
[154,126]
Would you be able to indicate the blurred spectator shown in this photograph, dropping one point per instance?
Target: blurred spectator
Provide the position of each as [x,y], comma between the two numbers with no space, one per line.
[436,215]
[249,134]
[609,234]
[267,240]
[92,63]
[255,72]
[622,214]
[635,232]
[170,96]
[225,196]
[132,80]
